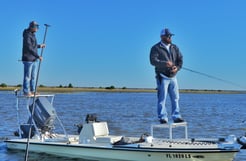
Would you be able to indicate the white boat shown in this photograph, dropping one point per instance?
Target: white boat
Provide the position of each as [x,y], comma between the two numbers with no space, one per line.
[95,142]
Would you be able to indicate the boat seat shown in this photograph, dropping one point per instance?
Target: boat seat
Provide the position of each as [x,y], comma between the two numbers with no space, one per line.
[101,133]
[97,132]
[100,129]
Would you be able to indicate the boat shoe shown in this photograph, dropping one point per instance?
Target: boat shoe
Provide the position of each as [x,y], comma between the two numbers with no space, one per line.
[178,120]
[163,121]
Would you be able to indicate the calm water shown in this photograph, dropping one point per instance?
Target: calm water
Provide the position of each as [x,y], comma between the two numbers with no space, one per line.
[208,115]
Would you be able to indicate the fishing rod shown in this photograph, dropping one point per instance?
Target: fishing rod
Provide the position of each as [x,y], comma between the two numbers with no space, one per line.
[213,77]
[34,97]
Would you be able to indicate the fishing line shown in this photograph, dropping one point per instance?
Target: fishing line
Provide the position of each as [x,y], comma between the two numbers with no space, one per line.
[213,77]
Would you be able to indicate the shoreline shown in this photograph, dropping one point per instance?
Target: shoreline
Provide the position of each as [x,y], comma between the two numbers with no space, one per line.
[140,90]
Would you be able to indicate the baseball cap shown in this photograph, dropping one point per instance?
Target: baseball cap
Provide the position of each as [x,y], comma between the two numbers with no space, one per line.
[33,24]
[166,32]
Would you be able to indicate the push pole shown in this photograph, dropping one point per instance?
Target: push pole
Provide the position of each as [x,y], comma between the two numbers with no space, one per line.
[34,97]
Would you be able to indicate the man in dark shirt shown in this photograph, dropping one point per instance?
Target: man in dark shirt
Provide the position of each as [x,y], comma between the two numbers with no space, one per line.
[167,60]
[30,57]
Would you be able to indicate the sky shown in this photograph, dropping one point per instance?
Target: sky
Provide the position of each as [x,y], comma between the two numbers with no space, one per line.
[99,43]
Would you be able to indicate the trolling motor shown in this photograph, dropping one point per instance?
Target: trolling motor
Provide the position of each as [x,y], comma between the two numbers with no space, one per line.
[242,140]
[16,91]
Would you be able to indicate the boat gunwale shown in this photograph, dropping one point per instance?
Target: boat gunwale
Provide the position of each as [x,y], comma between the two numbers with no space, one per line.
[127,148]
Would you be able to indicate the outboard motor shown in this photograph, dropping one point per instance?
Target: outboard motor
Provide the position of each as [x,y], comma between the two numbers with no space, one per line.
[44,116]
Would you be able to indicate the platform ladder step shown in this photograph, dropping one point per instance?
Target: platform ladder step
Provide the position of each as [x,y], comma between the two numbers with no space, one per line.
[170,127]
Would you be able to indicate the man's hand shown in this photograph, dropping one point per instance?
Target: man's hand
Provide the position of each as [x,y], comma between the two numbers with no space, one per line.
[174,69]
[42,45]
[40,58]
[169,64]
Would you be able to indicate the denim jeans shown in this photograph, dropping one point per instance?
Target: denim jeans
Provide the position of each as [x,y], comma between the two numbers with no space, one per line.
[167,86]
[29,77]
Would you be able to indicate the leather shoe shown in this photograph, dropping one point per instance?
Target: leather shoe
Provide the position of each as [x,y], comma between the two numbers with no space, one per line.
[162,121]
[178,120]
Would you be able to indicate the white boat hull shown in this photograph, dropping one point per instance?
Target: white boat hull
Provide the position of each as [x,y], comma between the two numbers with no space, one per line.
[95,142]
[104,153]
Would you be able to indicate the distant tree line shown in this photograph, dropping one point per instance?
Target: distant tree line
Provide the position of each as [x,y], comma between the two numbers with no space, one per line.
[3,85]
[113,87]
[69,86]
[61,86]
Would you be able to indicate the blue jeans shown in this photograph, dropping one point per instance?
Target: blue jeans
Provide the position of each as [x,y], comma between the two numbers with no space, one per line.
[29,77]
[167,86]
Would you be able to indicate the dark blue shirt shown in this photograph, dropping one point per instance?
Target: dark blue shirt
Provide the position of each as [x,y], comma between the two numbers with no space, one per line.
[30,46]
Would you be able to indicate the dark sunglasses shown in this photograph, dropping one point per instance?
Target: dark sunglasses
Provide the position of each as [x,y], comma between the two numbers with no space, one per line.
[37,27]
[169,36]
